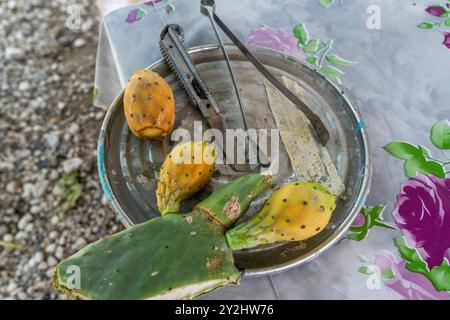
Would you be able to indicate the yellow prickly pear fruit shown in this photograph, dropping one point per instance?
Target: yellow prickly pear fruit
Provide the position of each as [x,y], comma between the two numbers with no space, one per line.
[186,170]
[149,105]
[297,211]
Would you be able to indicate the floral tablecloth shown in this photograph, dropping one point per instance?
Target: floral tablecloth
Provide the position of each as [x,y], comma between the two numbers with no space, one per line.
[394,57]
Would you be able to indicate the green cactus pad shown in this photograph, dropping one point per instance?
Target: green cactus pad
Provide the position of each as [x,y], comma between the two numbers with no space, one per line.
[172,257]
[229,203]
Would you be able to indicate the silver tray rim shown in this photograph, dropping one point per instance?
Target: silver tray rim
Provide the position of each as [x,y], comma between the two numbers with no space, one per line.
[299,260]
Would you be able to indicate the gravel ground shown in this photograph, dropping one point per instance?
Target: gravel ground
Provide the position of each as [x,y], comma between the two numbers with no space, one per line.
[51,202]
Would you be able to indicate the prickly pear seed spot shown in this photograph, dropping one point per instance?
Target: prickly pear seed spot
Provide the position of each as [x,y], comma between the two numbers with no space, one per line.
[317,229]
[139,78]
[297,183]
[187,174]
[292,239]
[166,246]
[303,226]
[273,217]
[287,220]
[156,83]
[282,234]
[284,200]
[134,96]
[305,203]
[199,173]
[131,115]
[322,208]
[169,98]
[162,109]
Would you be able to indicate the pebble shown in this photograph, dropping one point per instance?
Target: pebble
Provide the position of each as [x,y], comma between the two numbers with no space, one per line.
[78,43]
[52,139]
[3,230]
[8,237]
[24,221]
[51,261]
[13,53]
[39,188]
[55,219]
[12,187]
[72,164]
[24,86]
[59,253]
[74,128]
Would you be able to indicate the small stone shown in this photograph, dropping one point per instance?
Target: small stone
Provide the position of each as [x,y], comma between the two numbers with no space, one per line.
[53,234]
[42,265]
[74,128]
[29,227]
[51,261]
[54,220]
[57,191]
[12,286]
[40,188]
[38,257]
[59,252]
[13,53]
[24,221]
[50,248]
[3,230]
[8,237]
[35,210]
[12,187]
[52,139]
[6,166]
[21,235]
[73,164]
[78,43]
[79,243]
[24,86]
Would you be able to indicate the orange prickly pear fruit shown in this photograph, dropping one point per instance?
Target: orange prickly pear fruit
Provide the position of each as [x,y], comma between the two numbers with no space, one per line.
[295,212]
[186,170]
[149,105]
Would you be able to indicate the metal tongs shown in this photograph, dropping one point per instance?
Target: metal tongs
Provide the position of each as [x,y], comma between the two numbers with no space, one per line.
[176,56]
[207,7]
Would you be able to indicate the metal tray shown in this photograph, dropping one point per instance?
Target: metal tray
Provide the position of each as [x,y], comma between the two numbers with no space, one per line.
[128,166]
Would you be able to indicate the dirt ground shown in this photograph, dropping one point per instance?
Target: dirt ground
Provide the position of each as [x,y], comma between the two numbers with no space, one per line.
[51,203]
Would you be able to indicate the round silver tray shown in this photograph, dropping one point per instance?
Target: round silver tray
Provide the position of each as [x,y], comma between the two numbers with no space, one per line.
[128,166]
